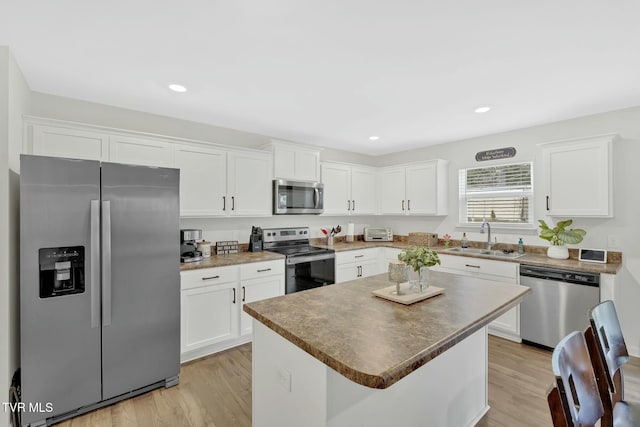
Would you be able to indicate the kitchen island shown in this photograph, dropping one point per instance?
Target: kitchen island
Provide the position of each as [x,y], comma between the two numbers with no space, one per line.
[338,356]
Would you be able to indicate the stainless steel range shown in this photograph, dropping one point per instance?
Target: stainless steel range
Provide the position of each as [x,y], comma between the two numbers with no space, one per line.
[307,266]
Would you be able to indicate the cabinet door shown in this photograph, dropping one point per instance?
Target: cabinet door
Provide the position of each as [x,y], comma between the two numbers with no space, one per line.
[209,315]
[139,151]
[421,191]
[70,143]
[307,165]
[578,178]
[337,183]
[255,290]
[369,268]
[249,184]
[346,272]
[364,194]
[392,191]
[203,181]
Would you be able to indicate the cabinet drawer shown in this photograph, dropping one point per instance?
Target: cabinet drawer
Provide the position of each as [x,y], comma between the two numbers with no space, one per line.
[482,266]
[356,255]
[261,269]
[208,276]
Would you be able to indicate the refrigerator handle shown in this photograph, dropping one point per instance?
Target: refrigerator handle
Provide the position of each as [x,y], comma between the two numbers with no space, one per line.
[106,263]
[95,263]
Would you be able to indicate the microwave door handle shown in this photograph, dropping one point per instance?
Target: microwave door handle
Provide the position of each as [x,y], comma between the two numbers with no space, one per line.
[316,197]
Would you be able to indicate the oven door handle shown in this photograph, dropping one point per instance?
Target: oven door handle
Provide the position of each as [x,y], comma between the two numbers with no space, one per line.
[309,258]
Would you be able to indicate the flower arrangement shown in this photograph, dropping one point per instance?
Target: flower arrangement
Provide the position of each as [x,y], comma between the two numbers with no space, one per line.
[447,240]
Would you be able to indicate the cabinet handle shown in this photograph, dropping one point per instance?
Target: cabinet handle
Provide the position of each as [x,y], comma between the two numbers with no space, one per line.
[547,202]
[263,270]
[243,293]
[224,203]
[358,256]
[403,205]
[358,274]
[354,204]
[234,295]
[233,203]
[210,277]
[348,205]
[474,266]
[408,205]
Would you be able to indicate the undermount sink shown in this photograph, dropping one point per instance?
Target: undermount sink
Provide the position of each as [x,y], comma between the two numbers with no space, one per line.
[485,252]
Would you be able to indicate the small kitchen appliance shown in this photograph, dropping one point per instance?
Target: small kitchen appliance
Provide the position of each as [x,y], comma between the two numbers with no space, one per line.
[255,239]
[297,197]
[307,266]
[189,239]
[378,235]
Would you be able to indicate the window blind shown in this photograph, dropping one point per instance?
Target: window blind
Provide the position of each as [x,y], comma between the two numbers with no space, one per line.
[498,194]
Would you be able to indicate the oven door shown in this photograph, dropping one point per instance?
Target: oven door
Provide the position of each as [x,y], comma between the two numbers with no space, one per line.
[308,272]
[297,197]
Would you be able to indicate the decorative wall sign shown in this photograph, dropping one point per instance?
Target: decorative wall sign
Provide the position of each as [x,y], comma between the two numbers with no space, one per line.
[499,153]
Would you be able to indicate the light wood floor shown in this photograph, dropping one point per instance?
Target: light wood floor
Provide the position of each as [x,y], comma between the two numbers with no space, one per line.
[216,391]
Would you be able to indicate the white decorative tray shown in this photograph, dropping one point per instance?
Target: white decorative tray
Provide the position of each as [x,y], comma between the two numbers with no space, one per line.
[409,297]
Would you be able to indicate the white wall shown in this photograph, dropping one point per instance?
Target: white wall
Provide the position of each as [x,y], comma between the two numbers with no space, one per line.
[57,107]
[624,226]
[5,378]
[15,99]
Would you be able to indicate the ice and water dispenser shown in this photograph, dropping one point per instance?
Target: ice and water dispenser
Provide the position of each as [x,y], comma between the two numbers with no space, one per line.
[61,271]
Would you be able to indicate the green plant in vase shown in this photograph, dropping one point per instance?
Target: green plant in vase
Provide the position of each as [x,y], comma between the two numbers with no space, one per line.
[558,236]
[420,258]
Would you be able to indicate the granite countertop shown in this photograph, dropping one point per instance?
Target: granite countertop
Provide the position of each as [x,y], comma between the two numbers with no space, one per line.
[232,259]
[535,258]
[375,342]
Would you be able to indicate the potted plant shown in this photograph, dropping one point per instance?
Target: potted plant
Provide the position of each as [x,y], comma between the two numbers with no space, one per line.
[559,236]
[420,258]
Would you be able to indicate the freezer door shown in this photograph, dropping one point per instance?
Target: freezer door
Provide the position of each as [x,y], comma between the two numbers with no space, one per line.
[59,284]
[141,277]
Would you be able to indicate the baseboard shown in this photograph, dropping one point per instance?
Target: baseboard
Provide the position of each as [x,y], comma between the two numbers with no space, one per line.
[505,335]
[633,350]
[214,348]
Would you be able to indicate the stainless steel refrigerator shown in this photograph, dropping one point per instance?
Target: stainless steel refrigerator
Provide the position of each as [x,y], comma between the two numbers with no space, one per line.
[99,285]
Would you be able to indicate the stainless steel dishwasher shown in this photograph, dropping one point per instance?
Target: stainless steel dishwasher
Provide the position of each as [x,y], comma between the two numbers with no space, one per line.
[558,304]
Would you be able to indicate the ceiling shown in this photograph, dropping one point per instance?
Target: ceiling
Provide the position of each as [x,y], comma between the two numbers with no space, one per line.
[333,73]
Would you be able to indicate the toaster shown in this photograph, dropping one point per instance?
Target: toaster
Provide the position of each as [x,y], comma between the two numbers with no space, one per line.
[378,234]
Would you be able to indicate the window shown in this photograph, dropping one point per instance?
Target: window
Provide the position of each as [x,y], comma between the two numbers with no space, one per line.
[499,194]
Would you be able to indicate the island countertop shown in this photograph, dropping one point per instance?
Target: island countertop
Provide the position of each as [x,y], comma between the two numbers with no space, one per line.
[375,342]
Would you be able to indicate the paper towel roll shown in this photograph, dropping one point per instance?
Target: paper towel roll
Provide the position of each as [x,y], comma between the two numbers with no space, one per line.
[350,228]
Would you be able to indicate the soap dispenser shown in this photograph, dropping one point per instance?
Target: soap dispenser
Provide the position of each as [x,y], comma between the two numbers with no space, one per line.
[464,243]
[520,246]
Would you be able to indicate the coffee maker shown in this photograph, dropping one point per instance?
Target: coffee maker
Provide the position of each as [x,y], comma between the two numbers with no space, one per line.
[189,239]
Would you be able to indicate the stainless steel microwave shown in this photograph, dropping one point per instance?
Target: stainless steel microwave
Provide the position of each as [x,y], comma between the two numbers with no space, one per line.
[297,197]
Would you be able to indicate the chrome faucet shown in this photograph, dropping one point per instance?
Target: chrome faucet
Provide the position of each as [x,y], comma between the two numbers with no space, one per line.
[489,244]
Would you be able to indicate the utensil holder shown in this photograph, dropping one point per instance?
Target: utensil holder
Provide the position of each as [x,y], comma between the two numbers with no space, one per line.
[329,240]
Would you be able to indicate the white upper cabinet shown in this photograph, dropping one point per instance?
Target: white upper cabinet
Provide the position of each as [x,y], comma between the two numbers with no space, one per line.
[578,177]
[349,190]
[392,186]
[71,143]
[249,184]
[139,151]
[417,189]
[203,180]
[295,162]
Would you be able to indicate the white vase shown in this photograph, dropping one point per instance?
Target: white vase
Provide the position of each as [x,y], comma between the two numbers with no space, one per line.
[558,252]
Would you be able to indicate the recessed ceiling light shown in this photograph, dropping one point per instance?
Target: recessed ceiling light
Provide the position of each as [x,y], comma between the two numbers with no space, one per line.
[177,88]
[374,138]
[482,109]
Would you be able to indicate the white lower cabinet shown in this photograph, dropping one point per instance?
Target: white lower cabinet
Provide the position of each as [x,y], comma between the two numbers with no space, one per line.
[356,264]
[211,304]
[508,325]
